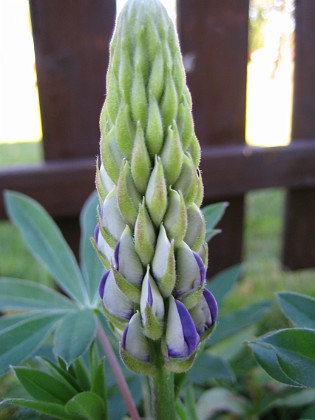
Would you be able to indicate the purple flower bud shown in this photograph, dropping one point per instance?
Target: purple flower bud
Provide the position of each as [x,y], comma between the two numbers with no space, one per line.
[126,259]
[102,245]
[134,341]
[150,295]
[114,300]
[182,338]
[205,313]
[190,270]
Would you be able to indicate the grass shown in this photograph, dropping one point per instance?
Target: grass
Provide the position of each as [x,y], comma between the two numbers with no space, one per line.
[263,276]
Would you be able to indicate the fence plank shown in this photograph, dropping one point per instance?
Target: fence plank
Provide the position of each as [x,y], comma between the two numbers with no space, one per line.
[71,41]
[213,37]
[299,232]
[71,45]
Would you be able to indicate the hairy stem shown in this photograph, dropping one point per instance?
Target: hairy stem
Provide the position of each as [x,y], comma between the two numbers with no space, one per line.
[121,381]
[163,395]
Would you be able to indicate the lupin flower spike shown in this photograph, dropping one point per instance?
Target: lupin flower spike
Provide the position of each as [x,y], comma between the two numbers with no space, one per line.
[151,233]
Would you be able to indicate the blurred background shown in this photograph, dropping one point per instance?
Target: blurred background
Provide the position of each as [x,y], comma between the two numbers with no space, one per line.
[269,89]
[268,123]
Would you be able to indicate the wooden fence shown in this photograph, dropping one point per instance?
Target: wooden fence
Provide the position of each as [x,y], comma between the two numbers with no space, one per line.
[71,45]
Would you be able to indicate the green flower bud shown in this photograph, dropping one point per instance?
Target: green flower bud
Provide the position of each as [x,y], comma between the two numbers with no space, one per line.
[187,181]
[128,196]
[169,103]
[154,132]
[175,220]
[145,237]
[140,161]
[172,155]
[156,80]
[124,130]
[156,193]
[111,155]
[196,228]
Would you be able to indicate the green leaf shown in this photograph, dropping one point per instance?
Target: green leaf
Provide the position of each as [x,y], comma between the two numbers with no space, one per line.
[223,283]
[218,400]
[99,383]
[27,295]
[44,239]
[237,320]
[59,372]
[300,309]
[213,214]
[288,355]
[44,387]
[208,367]
[74,335]
[21,336]
[91,266]
[51,409]
[87,405]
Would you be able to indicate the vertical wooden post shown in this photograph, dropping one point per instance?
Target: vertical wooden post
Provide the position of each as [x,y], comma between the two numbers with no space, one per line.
[71,41]
[299,230]
[214,38]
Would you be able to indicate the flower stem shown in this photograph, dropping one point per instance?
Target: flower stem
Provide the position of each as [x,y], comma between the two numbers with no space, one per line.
[121,381]
[163,394]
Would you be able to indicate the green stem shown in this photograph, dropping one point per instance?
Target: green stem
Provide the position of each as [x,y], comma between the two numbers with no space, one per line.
[163,393]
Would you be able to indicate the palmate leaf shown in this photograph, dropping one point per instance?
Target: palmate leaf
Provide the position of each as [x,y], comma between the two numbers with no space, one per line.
[27,295]
[45,241]
[288,355]
[75,334]
[21,336]
[91,266]
[300,309]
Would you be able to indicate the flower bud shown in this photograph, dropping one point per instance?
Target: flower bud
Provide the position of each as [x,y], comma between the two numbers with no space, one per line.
[128,196]
[105,252]
[196,228]
[187,180]
[190,270]
[112,220]
[127,261]
[144,235]
[172,155]
[205,313]
[154,133]
[115,302]
[134,349]
[163,264]
[134,341]
[156,194]
[124,130]
[182,338]
[152,308]
[114,157]
[175,220]
[140,161]
[169,103]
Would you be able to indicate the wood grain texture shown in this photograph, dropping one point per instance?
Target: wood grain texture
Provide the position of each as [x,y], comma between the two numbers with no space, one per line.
[299,229]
